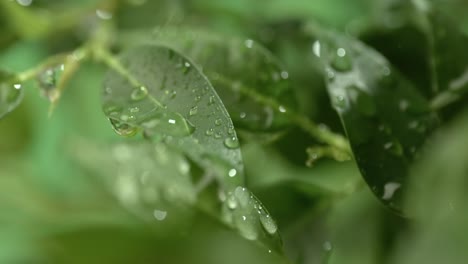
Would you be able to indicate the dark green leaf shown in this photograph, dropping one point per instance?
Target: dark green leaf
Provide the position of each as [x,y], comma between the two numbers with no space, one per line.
[385,117]
[436,44]
[168,96]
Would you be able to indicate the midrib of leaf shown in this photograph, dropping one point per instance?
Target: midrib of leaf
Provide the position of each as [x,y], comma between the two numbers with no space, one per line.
[325,136]
[115,64]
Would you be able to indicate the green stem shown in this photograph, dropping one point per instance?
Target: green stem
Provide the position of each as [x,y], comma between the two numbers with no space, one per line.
[323,135]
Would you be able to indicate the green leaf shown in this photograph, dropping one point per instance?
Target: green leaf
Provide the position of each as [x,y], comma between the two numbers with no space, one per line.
[11,93]
[386,119]
[437,197]
[252,83]
[150,180]
[164,94]
[435,42]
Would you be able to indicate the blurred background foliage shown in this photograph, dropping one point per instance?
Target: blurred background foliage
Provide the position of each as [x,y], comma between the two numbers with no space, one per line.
[55,207]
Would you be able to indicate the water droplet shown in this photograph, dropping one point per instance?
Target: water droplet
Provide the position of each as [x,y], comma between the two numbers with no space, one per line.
[103,14]
[316,48]
[187,67]
[24,2]
[168,123]
[242,195]
[403,104]
[282,109]
[249,43]
[218,135]
[231,202]
[242,115]
[339,102]
[284,75]
[327,246]
[193,111]
[394,147]
[134,109]
[389,190]
[231,142]
[341,61]
[112,110]
[212,100]
[341,52]
[11,93]
[139,93]
[209,132]
[123,129]
[159,215]
[232,172]
[218,122]
[330,74]
[268,223]
[47,81]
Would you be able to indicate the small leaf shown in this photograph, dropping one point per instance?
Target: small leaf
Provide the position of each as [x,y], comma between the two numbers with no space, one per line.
[11,93]
[159,98]
[253,85]
[386,119]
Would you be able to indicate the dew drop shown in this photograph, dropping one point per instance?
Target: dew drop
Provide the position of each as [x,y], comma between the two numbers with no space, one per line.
[139,93]
[389,190]
[159,215]
[282,109]
[193,111]
[209,132]
[268,223]
[231,202]
[11,94]
[103,14]
[249,43]
[242,115]
[218,122]
[231,142]
[232,173]
[284,75]
[340,61]
[134,109]
[316,48]
[211,100]
[123,129]
[47,81]
[187,67]
[242,195]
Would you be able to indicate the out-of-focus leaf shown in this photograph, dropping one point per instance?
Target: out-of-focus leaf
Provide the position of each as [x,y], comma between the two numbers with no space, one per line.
[168,96]
[386,119]
[146,178]
[253,85]
[437,199]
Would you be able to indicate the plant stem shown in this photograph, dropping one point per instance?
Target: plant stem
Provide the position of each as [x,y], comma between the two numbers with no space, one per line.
[323,135]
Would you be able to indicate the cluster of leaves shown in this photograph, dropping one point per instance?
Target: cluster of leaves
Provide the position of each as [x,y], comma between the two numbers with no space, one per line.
[313,106]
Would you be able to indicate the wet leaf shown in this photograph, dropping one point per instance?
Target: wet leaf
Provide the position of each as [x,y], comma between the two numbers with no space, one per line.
[435,42]
[151,181]
[11,93]
[168,97]
[252,83]
[386,119]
